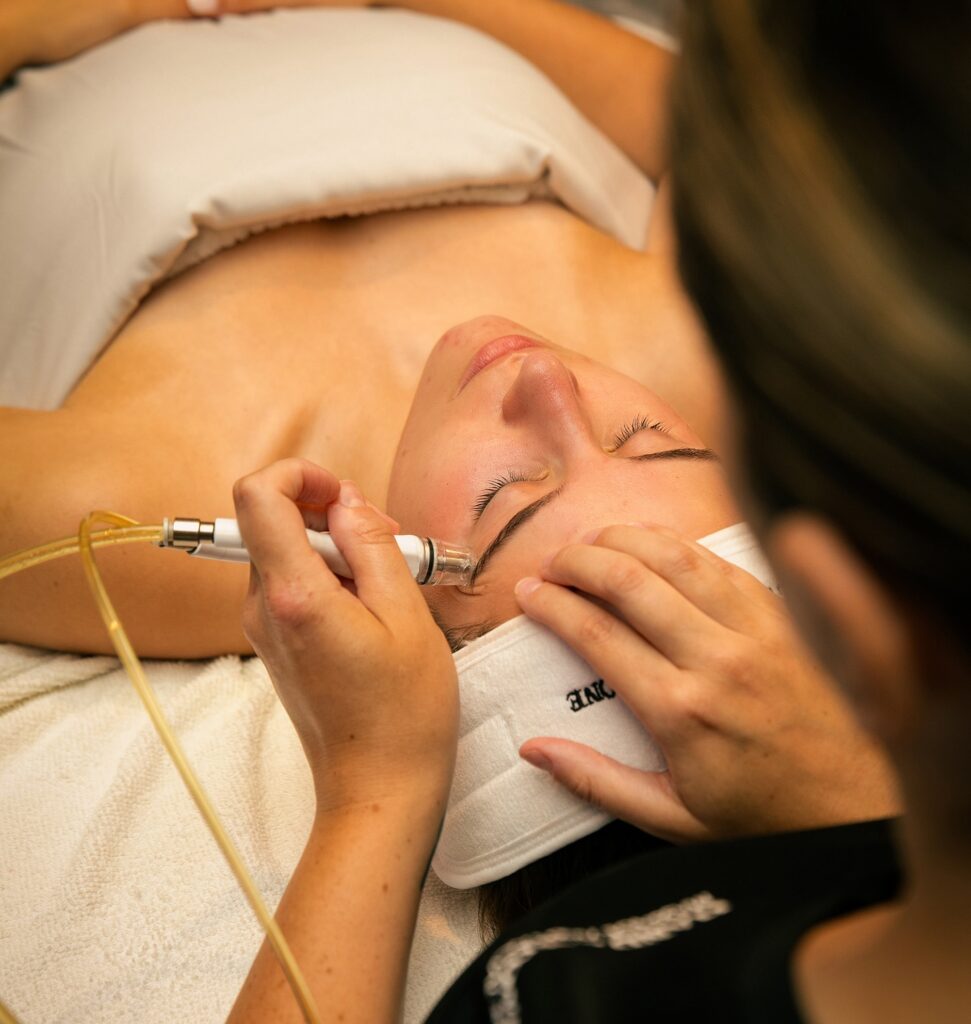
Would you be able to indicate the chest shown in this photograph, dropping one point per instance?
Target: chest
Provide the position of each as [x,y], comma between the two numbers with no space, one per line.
[310,340]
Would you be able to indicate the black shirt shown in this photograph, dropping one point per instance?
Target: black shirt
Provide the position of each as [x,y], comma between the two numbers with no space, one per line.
[700,933]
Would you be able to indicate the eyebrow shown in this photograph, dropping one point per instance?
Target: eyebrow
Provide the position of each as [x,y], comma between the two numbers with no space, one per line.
[525,514]
[702,454]
[519,519]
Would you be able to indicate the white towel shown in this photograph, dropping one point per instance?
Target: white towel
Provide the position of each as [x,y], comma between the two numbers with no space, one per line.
[521,681]
[115,903]
[150,153]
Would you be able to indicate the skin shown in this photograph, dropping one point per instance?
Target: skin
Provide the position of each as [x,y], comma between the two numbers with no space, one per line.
[364,815]
[553,416]
[394,283]
[169,443]
[376,816]
[906,960]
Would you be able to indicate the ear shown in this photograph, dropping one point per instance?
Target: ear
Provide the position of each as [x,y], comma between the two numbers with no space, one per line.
[851,621]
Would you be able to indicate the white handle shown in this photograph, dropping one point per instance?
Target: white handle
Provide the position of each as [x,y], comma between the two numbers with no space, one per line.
[228,546]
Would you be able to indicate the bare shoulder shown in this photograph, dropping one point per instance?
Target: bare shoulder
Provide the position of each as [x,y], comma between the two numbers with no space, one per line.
[58,467]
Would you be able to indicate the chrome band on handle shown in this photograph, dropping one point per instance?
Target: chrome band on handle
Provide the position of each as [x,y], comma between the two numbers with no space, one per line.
[185,534]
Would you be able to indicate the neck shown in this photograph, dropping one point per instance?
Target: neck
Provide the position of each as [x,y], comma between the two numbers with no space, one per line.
[898,962]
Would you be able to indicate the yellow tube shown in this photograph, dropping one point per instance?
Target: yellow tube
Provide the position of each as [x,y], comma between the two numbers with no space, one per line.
[122,530]
[126,532]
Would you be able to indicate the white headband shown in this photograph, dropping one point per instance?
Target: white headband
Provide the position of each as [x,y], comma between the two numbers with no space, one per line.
[522,681]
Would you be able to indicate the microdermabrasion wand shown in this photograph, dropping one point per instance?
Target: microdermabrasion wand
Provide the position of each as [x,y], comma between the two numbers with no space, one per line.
[432,562]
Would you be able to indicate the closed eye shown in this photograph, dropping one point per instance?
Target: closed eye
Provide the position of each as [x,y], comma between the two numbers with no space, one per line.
[635,426]
[495,486]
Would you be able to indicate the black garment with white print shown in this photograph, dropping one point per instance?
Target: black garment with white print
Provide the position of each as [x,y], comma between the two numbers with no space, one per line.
[700,933]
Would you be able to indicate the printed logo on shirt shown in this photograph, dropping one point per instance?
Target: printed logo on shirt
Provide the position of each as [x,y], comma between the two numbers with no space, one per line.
[584,696]
[500,984]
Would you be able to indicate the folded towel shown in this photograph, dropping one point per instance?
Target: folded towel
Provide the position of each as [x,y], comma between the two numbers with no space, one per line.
[150,153]
[521,681]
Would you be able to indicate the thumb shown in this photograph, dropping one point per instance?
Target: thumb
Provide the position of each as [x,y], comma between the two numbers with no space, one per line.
[646,800]
[366,539]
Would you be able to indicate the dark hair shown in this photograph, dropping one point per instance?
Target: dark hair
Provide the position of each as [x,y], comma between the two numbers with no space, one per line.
[506,899]
[823,213]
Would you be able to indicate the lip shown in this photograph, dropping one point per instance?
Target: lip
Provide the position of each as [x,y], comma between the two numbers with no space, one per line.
[493,351]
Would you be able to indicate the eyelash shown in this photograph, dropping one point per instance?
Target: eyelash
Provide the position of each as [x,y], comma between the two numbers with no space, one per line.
[495,486]
[635,426]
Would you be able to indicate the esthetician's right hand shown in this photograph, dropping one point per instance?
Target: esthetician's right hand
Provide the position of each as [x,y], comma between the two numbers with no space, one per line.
[361,668]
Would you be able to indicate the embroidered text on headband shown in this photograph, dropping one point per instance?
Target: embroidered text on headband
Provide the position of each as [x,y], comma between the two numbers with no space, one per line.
[521,681]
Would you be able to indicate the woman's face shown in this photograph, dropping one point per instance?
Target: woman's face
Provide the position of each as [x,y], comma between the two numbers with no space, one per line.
[515,447]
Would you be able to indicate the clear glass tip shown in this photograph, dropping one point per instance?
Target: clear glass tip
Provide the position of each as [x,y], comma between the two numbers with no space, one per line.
[451,565]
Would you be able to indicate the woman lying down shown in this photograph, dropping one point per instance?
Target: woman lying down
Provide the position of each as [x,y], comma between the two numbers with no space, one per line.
[508,377]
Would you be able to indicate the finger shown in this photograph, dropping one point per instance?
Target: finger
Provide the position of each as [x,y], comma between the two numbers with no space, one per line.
[205,8]
[735,600]
[392,523]
[272,523]
[694,571]
[622,658]
[245,6]
[748,584]
[365,537]
[646,800]
[155,10]
[672,622]
[315,517]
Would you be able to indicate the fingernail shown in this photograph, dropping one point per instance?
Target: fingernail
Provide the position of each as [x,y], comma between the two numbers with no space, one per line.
[527,585]
[589,538]
[203,8]
[537,759]
[351,497]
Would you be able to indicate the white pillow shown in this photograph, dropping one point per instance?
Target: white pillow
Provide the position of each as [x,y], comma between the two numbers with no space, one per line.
[148,154]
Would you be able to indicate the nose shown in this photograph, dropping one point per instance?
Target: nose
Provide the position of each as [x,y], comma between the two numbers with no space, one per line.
[543,398]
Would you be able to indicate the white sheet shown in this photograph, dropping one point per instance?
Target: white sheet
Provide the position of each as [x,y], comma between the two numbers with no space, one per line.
[144,156]
[115,904]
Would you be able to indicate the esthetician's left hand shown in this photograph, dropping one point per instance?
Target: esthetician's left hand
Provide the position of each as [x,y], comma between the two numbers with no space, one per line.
[756,737]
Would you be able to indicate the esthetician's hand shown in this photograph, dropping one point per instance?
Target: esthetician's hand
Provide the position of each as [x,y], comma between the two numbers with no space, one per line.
[756,737]
[361,668]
